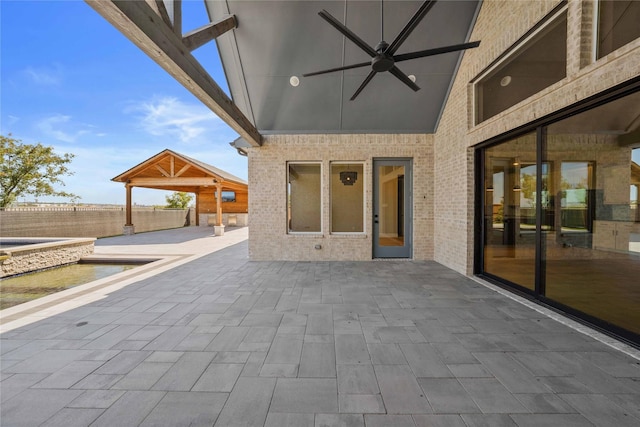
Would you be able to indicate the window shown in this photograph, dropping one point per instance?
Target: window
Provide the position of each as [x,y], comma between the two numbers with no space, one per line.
[575,196]
[304,203]
[347,197]
[537,61]
[227,196]
[528,196]
[617,24]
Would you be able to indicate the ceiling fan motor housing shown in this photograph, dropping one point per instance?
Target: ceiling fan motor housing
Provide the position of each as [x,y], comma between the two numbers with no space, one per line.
[382,62]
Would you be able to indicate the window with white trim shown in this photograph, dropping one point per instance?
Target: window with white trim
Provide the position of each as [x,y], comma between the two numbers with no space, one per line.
[347,197]
[304,201]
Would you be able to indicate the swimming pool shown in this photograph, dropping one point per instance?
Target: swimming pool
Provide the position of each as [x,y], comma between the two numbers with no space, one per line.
[26,287]
[22,255]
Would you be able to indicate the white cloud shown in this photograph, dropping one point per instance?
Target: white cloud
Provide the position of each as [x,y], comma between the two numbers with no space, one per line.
[167,116]
[45,76]
[61,127]
[190,129]
[94,166]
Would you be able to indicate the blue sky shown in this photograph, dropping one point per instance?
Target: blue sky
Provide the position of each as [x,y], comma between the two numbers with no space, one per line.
[70,80]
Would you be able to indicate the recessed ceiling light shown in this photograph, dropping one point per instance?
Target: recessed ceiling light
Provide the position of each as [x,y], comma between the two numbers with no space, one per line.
[412,78]
[294,81]
[505,81]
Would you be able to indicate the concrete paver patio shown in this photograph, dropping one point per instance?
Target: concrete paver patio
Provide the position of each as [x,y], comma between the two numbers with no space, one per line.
[216,339]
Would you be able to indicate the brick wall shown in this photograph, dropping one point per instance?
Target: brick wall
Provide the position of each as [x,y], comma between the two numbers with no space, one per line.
[268,203]
[68,222]
[499,25]
[443,163]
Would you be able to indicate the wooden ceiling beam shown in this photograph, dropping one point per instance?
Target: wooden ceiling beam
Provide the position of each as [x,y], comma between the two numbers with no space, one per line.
[183,170]
[177,17]
[159,7]
[196,38]
[138,21]
[170,182]
[192,188]
[162,171]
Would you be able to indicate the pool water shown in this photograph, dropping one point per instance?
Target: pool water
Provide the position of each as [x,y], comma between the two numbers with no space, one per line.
[27,287]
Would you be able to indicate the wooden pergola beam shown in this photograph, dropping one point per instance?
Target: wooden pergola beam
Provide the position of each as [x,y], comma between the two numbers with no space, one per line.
[162,171]
[159,7]
[177,17]
[183,170]
[173,181]
[138,21]
[196,38]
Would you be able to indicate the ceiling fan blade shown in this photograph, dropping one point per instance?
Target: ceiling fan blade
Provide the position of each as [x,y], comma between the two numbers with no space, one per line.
[411,25]
[347,33]
[435,51]
[331,70]
[404,78]
[364,83]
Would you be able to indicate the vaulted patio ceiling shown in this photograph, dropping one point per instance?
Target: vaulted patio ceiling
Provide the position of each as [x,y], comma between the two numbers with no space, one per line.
[264,43]
[276,40]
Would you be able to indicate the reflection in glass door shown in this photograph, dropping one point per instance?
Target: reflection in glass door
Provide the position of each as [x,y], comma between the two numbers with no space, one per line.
[593,260]
[510,214]
[392,208]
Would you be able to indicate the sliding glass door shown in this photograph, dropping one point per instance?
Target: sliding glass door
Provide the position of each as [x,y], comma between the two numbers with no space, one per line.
[593,255]
[560,216]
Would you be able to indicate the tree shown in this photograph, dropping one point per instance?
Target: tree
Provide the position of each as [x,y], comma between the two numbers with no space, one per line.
[31,169]
[178,200]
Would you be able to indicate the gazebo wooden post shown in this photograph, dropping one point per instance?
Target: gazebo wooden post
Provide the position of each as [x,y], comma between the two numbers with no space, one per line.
[197,208]
[128,228]
[218,229]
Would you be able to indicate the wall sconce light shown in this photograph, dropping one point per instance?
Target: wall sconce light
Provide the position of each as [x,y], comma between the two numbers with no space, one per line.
[348,177]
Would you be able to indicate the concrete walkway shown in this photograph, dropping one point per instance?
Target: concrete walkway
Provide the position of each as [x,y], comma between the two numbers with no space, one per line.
[215,339]
[167,249]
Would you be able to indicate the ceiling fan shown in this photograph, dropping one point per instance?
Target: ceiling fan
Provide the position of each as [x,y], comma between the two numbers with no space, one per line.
[383,56]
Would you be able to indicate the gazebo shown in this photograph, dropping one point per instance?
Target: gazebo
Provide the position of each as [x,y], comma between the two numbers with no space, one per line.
[215,190]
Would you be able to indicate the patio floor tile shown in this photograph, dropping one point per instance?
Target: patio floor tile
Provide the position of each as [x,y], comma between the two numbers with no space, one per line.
[224,341]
